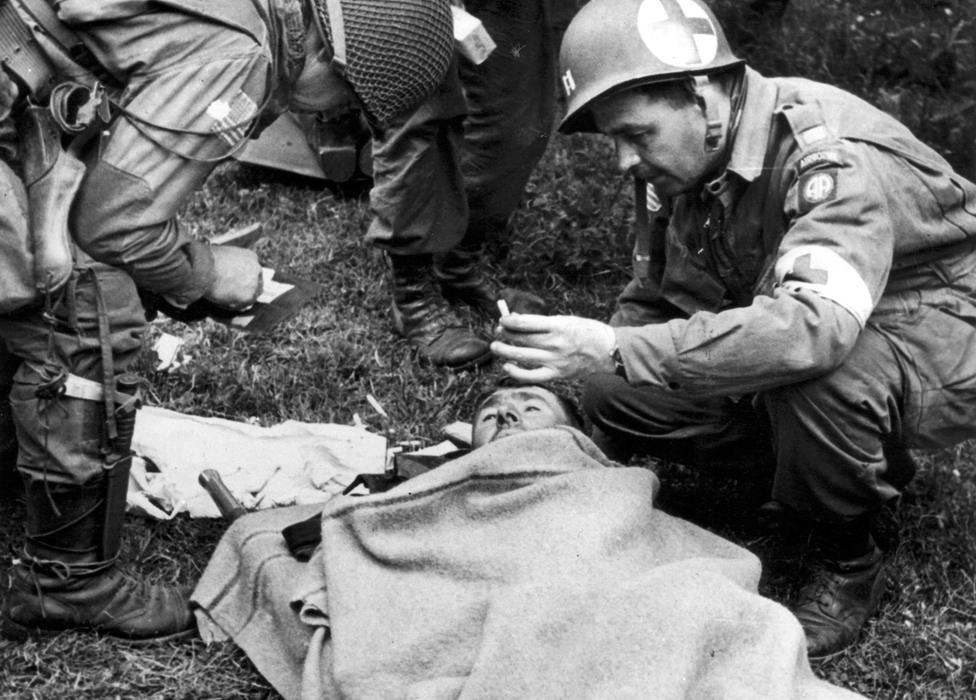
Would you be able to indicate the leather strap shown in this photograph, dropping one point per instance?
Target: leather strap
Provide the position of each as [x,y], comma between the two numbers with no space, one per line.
[642,232]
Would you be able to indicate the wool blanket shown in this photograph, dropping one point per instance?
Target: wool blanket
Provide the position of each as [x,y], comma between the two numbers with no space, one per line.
[530,568]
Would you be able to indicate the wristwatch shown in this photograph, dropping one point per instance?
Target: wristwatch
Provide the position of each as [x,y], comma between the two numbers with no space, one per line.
[618,362]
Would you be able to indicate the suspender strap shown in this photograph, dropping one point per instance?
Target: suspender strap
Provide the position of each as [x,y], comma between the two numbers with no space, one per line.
[338,36]
[651,218]
[328,14]
[642,232]
[773,225]
[807,123]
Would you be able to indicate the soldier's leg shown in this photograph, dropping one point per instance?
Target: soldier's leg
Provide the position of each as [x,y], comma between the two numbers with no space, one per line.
[187,81]
[842,440]
[74,460]
[633,419]
[510,101]
[8,435]
[419,211]
[13,228]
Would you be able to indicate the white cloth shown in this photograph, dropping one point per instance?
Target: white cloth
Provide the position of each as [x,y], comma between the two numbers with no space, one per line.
[286,464]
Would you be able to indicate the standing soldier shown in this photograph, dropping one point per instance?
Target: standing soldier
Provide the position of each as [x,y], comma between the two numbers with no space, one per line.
[124,108]
[810,271]
[496,119]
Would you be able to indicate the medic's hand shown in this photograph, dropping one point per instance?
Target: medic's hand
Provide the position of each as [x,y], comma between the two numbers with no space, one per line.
[238,282]
[8,94]
[544,348]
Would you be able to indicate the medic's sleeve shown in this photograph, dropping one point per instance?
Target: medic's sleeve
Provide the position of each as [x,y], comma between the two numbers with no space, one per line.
[418,199]
[829,272]
[641,304]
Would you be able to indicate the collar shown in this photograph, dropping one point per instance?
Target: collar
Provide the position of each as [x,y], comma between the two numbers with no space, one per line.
[751,137]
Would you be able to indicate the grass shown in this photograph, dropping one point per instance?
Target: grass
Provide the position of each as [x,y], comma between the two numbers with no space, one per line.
[568,243]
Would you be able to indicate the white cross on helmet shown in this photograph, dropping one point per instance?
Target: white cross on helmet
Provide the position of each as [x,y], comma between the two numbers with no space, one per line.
[612,45]
[678,32]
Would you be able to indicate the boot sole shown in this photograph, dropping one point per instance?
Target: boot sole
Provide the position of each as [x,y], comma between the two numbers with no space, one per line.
[477,361]
[16,632]
[470,364]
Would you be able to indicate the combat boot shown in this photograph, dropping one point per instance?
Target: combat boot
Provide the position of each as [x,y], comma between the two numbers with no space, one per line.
[422,316]
[461,273]
[67,576]
[837,600]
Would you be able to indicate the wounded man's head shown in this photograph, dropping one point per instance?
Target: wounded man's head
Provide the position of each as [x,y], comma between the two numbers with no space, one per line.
[511,410]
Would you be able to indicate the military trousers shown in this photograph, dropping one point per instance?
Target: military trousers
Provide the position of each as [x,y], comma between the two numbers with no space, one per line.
[456,169]
[511,100]
[97,316]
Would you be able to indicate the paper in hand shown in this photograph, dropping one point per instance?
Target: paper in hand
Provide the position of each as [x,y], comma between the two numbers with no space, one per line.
[282,296]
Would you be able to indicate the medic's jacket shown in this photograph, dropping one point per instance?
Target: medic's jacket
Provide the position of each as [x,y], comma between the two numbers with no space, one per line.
[828,212]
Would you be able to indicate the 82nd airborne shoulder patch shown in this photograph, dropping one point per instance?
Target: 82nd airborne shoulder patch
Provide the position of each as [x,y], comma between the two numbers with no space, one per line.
[815,188]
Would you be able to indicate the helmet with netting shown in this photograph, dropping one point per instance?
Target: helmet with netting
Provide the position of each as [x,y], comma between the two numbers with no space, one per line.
[613,45]
[397,51]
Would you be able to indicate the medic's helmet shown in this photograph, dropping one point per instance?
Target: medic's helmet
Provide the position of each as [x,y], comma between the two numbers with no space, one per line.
[613,45]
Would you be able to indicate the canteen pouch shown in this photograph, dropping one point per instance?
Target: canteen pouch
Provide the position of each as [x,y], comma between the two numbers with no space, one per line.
[16,252]
[52,177]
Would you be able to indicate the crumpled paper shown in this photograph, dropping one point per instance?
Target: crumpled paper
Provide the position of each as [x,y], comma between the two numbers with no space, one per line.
[286,464]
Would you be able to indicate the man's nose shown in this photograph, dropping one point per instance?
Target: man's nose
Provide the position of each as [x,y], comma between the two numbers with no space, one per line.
[507,415]
[627,156]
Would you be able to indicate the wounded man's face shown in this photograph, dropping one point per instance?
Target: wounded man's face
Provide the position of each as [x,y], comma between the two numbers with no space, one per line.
[515,410]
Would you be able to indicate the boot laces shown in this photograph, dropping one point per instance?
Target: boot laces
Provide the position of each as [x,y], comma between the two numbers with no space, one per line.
[825,586]
[62,570]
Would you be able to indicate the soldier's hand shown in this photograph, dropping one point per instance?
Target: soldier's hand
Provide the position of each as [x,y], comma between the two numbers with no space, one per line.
[9,92]
[238,282]
[543,348]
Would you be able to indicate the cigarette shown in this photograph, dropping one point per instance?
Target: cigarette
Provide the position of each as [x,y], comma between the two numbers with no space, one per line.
[503,307]
[376,406]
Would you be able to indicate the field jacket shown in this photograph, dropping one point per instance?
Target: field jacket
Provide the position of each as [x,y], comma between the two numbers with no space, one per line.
[245,15]
[418,188]
[827,210]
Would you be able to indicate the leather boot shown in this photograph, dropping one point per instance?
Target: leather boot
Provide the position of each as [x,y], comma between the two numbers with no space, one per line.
[422,316]
[837,600]
[461,274]
[67,576]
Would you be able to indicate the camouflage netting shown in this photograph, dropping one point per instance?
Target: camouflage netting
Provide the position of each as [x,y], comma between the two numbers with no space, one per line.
[397,51]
